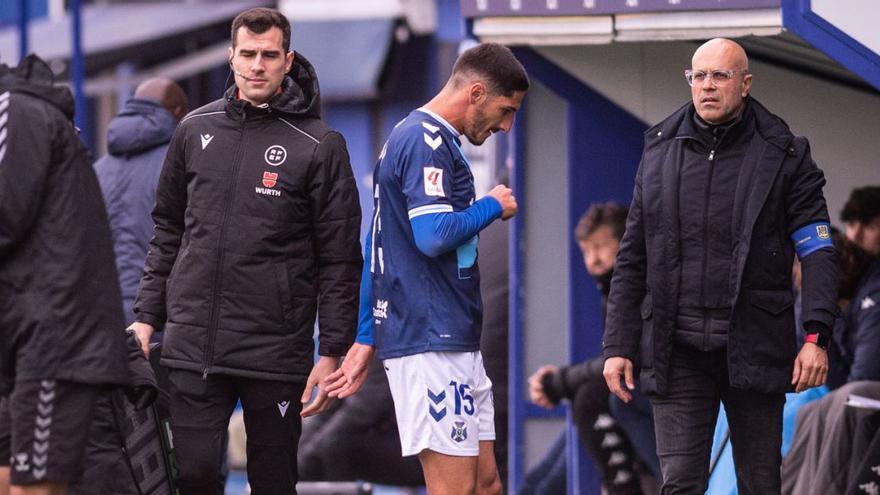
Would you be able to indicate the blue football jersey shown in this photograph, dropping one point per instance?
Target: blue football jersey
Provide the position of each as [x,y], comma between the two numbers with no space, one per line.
[422,303]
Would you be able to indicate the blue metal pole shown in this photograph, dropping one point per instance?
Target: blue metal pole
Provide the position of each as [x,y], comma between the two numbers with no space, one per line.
[516,397]
[22,28]
[78,72]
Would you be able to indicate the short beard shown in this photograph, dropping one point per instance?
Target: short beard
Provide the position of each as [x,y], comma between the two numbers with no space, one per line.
[478,123]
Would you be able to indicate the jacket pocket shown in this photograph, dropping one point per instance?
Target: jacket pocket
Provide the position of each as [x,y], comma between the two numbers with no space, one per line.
[188,288]
[766,327]
[772,301]
[646,344]
[172,275]
[647,307]
[252,298]
[285,299]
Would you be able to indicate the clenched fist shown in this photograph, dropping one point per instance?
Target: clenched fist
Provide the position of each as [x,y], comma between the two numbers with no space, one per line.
[504,196]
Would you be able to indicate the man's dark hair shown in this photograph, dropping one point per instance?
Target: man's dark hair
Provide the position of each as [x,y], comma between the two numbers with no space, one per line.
[863,205]
[611,214]
[496,64]
[260,20]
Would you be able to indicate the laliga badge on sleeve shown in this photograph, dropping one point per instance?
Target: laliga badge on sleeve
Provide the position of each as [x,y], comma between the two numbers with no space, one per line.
[433,181]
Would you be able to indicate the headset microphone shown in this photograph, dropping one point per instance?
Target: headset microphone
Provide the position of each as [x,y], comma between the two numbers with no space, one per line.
[239,74]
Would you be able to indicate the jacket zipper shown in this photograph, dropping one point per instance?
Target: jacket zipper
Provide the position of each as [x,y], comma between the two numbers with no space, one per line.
[218,272]
[706,326]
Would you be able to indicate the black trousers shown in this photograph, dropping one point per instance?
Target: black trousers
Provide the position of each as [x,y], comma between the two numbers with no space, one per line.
[684,421]
[200,411]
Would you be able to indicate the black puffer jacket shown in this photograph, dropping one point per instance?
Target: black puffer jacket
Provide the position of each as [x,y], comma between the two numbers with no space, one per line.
[257,219]
[60,308]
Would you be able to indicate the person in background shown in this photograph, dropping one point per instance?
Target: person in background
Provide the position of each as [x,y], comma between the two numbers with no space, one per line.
[137,140]
[826,450]
[598,234]
[861,218]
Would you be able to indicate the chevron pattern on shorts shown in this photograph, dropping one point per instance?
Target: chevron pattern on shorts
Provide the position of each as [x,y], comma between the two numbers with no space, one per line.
[43,429]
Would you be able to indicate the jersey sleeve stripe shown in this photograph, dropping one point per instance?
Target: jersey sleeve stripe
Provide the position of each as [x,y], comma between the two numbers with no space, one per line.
[428,209]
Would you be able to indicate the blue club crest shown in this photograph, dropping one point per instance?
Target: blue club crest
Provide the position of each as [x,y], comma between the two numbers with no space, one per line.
[459,431]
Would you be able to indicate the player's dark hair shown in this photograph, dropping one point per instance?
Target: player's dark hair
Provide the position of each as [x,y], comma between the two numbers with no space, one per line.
[496,64]
[863,205]
[611,214]
[260,20]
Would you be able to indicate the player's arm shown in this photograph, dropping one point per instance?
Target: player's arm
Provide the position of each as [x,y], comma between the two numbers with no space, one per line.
[425,166]
[440,232]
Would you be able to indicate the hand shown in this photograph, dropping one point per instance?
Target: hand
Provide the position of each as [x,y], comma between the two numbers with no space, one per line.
[810,367]
[536,389]
[614,368]
[351,375]
[504,196]
[143,332]
[320,371]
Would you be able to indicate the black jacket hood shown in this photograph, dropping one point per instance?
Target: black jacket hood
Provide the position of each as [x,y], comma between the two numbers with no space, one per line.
[34,77]
[300,95]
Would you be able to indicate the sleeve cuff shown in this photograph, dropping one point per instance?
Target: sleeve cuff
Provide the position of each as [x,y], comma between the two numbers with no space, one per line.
[814,326]
[332,350]
[152,320]
[494,206]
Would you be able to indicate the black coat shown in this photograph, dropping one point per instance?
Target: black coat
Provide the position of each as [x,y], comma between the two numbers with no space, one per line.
[779,190]
[60,308]
[257,219]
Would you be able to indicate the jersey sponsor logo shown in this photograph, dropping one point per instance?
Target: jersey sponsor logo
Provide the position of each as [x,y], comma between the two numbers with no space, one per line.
[823,232]
[275,155]
[267,192]
[432,128]
[434,143]
[868,303]
[270,179]
[433,181]
[206,140]
[459,431]
[282,407]
[380,310]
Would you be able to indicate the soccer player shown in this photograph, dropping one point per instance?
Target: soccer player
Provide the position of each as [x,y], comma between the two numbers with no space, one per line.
[420,291]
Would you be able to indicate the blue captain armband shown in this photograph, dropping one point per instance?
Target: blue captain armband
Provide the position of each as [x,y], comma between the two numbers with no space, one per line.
[811,238]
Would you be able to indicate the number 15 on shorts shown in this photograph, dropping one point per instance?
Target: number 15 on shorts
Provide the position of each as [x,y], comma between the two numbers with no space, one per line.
[464,401]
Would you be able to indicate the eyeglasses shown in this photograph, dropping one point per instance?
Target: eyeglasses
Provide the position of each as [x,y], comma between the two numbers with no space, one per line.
[718,76]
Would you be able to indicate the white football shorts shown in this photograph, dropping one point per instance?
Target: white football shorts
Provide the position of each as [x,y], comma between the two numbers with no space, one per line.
[443,402]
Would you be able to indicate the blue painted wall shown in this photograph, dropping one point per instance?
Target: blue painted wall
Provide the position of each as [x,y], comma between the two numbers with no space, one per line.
[9,12]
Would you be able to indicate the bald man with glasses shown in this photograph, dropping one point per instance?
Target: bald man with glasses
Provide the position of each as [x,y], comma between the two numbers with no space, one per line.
[701,302]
